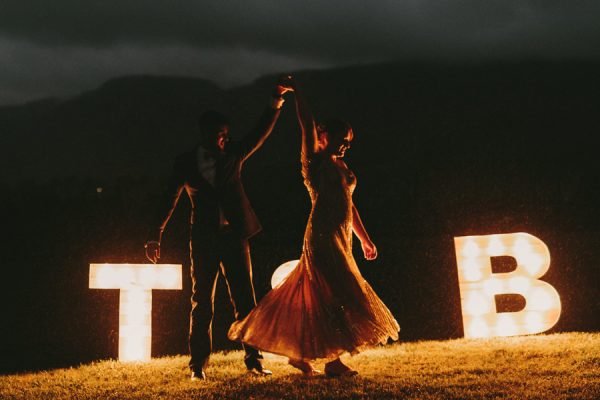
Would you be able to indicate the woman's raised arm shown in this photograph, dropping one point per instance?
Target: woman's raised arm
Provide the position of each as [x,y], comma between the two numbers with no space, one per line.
[307,125]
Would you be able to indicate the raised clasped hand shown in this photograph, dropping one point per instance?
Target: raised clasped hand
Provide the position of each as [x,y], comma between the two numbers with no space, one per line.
[285,84]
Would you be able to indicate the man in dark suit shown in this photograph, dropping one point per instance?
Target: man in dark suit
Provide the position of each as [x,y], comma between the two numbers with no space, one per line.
[222,221]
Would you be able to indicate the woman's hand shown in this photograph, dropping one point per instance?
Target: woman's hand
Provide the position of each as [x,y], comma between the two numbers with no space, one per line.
[369,249]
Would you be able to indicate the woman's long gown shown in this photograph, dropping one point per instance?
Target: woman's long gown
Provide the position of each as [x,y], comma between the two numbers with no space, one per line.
[324,307]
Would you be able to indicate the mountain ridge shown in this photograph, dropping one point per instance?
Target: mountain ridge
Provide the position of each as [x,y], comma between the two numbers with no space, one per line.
[428,114]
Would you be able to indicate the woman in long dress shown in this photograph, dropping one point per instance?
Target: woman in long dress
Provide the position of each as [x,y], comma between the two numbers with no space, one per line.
[324,308]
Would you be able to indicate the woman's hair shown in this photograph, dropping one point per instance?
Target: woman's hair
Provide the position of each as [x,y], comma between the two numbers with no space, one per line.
[334,127]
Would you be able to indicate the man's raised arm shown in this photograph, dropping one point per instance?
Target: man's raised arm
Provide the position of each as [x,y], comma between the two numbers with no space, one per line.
[253,140]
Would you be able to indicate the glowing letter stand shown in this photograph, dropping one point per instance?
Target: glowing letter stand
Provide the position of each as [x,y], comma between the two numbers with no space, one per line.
[478,285]
[135,282]
[282,272]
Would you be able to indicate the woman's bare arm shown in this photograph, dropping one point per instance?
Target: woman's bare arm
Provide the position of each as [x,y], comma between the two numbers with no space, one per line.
[307,124]
[368,247]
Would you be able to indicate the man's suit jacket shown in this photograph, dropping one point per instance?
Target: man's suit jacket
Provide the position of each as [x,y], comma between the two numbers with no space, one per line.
[228,191]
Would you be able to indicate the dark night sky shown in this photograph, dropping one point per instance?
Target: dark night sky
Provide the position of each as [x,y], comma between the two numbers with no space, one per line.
[62,47]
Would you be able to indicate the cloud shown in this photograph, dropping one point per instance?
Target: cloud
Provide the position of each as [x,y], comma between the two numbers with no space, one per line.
[77,43]
[337,30]
[35,71]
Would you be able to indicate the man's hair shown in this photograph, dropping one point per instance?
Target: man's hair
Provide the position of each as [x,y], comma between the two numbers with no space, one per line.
[210,120]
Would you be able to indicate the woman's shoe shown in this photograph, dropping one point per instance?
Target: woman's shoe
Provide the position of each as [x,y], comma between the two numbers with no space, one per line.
[336,369]
[304,366]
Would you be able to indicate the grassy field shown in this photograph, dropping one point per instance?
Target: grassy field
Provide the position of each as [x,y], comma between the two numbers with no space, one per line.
[558,366]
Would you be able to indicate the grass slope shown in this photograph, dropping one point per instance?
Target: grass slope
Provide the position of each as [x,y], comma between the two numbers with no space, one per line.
[558,366]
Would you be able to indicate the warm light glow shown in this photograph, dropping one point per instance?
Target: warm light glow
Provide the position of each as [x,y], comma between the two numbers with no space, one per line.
[534,321]
[477,328]
[282,272]
[495,247]
[470,249]
[493,286]
[479,285]
[477,304]
[519,284]
[135,282]
[471,270]
[543,300]
[506,325]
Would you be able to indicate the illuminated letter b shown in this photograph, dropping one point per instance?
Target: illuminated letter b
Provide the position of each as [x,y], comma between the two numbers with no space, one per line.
[479,285]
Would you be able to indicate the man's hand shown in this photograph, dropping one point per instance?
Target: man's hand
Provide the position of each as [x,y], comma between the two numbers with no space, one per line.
[285,84]
[369,249]
[152,251]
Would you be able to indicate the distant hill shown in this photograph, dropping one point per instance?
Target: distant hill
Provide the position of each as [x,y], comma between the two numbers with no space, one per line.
[411,114]
[106,132]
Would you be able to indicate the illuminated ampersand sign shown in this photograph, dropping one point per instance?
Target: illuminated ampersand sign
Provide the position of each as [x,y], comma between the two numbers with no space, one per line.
[479,285]
[135,282]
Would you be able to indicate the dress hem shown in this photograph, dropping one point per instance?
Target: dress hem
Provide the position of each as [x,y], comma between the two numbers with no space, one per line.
[332,354]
